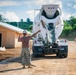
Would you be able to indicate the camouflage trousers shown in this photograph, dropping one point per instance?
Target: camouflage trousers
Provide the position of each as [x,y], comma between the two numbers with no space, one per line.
[25,54]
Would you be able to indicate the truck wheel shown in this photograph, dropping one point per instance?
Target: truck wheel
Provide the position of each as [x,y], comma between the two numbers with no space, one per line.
[57,54]
[60,56]
[65,55]
[35,55]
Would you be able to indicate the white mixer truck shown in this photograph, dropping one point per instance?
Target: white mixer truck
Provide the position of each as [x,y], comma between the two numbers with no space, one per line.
[49,21]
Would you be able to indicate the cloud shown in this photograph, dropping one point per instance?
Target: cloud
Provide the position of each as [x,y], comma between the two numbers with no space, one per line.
[75,0]
[30,14]
[66,16]
[42,2]
[8,3]
[34,2]
[29,4]
[46,1]
[74,14]
[10,16]
[69,4]
[74,6]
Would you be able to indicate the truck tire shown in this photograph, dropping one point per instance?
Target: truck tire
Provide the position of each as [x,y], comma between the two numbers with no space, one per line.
[58,55]
[37,51]
[65,55]
[35,55]
[62,55]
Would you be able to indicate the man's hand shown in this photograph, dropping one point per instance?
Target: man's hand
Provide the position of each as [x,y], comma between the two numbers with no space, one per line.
[36,33]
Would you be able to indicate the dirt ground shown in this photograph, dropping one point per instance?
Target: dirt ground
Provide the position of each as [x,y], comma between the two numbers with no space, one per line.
[8,53]
[48,65]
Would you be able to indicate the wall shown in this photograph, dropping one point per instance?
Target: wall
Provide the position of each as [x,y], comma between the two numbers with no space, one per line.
[4,35]
[8,37]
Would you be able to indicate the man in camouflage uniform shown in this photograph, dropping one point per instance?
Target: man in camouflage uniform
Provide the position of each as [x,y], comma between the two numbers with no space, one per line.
[25,54]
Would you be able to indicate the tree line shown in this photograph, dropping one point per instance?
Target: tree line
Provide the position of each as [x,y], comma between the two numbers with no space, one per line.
[69,27]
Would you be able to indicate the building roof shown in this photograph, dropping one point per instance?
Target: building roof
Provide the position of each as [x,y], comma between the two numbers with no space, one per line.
[8,26]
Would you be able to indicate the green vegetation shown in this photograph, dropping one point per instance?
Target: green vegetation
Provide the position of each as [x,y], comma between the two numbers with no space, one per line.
[69,31]
[23,25]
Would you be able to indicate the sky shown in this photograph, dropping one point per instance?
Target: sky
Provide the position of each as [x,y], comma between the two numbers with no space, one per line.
[15,10]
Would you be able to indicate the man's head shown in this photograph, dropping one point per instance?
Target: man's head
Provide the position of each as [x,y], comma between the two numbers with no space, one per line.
[24,33]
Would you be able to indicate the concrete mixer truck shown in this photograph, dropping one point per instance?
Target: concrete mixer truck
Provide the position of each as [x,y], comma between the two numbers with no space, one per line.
[49,21]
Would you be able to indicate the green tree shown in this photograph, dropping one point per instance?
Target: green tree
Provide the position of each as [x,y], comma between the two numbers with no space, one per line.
[21,20]
[66,24]
[2,19]
[72,21]
[28,20]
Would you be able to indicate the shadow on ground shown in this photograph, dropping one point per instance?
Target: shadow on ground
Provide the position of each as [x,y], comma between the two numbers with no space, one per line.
[18,59]
[10,70]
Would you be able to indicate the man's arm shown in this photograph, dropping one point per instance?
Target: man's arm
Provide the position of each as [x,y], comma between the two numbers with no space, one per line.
[36,33]
[19,39]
